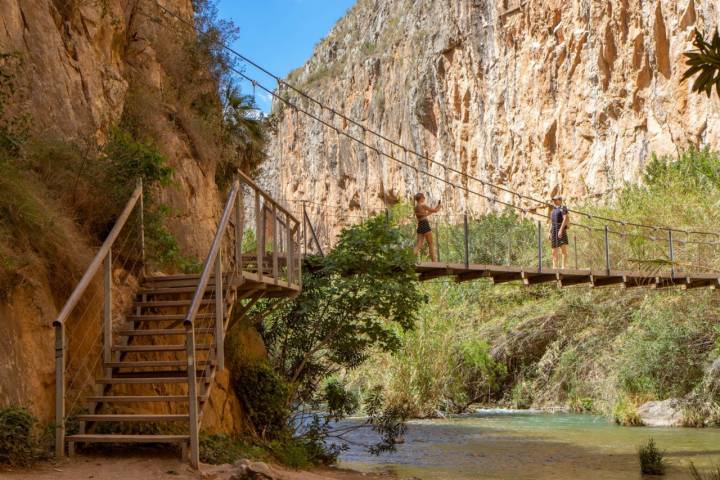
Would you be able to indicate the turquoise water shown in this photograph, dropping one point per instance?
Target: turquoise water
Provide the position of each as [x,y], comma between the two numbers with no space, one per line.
[514,445]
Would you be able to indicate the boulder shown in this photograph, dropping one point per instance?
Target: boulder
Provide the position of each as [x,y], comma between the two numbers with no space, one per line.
[665,413]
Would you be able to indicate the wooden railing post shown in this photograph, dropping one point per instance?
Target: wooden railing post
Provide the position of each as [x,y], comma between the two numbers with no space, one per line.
[259,235]
[288,249]
[219,313]
[304,229]
[239,227]
[275,234]
[59,389]
[192,395]
[107,311]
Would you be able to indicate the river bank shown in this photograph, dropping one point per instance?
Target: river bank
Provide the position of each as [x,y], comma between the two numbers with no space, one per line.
[150,465]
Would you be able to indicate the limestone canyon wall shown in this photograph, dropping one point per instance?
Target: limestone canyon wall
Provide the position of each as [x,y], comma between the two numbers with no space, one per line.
[541,96]
[78,59]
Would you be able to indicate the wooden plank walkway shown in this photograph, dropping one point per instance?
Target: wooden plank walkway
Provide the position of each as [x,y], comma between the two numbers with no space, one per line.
[565,277]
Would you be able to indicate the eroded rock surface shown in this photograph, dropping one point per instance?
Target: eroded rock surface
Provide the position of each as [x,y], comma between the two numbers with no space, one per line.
[554,96]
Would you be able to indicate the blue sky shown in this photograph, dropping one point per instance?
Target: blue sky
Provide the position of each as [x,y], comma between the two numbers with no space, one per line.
[280,34]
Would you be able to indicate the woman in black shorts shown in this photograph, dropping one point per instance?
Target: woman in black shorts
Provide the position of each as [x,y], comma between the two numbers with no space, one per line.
[559,223]
[424,232]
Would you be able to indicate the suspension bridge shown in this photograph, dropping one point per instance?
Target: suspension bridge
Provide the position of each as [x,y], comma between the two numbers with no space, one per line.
[162,353]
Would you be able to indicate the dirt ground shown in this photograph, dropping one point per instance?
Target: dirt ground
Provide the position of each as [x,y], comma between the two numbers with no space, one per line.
[153,466]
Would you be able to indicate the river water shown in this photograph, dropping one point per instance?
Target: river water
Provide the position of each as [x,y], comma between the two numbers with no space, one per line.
[497,444]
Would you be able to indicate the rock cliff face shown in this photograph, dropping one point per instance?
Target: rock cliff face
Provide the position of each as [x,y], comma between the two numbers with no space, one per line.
[541,96]
[78,60]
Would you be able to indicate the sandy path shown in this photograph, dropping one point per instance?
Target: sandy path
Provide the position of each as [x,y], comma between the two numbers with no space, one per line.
[150,466]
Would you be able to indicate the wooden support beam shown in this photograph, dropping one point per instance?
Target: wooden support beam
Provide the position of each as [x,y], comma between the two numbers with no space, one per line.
[467,276]
[498,278]
[604,280]
[534,278]
[568,280]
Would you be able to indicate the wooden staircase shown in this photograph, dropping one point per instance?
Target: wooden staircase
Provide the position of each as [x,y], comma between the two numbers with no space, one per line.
[148,370]
[148,379]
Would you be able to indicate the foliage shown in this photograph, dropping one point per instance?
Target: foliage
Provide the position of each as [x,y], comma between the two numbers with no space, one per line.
[705,60]
[245,130]
[264,395]
[18,445]
[663,355]
[625,412]
[652,461]
[354,299]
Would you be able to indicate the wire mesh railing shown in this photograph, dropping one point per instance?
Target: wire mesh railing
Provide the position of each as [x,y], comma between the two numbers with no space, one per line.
[84,327]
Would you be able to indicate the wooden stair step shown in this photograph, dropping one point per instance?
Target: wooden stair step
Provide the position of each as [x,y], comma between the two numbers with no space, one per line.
[170,303]
[158,374]
[156,348]
[164,332]
[114,417]
[141,380]
[137,398]
[98,438]
[171,290]
[164,318]
[155,363]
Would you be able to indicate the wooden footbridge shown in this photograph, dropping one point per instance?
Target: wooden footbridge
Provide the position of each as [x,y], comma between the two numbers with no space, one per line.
[565,277]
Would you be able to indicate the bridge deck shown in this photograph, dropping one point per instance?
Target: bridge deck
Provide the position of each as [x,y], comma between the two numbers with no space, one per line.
[565,277]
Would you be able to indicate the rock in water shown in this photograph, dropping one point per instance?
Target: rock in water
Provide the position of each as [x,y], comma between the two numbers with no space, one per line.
[665,413]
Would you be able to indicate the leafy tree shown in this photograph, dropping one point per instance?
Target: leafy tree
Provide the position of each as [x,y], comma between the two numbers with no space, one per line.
[705,59]
[244,130]
[352,300]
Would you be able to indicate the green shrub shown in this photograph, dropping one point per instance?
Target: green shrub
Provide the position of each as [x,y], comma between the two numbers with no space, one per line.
[625,412]
[18,446]
[264,395]
[652,461]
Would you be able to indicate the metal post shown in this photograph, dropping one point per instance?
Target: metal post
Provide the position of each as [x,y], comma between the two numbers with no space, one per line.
[192,396]
[672,255]
[575,246]
[219,313]
[59,389]
[607,252]
[107,310]
[387,216]
[539,245]
[142,225]
[437,242]
[467,239]
[259,235]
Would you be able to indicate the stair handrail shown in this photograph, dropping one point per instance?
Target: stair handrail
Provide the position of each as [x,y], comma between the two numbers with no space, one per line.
[208,267]
[102,257]
[213,264]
